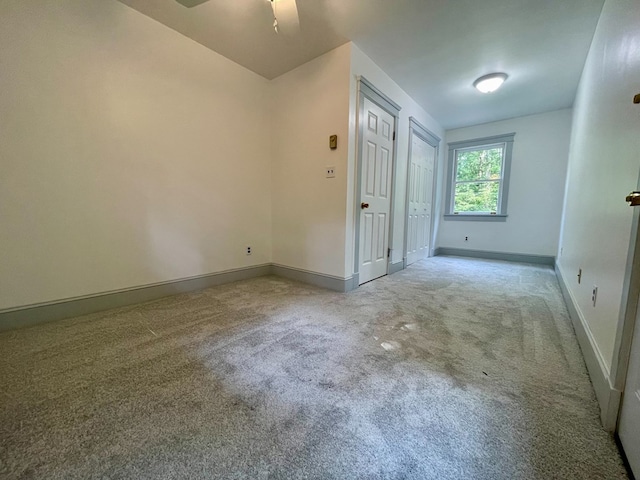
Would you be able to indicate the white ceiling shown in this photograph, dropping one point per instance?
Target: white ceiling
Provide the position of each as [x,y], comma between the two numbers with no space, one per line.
[434,49]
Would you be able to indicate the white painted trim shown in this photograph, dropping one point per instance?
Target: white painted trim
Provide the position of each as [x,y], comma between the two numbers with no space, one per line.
[367,90]
[628,316]
[383,101]
[506,139]
[396,267]
[322,280]
[608,397]
[504,256]
[29,315]
[430,138]
[585,326]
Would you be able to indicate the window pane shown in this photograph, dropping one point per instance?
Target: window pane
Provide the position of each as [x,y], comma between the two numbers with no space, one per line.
[476,197]
[484,164]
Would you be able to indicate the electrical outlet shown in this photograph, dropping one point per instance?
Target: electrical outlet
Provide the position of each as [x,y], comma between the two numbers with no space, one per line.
[466,239]
[331,172]
[594,295]
[248,250]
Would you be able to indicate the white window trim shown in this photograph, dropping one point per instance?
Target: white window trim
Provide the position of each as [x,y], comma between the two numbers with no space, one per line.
[505,140]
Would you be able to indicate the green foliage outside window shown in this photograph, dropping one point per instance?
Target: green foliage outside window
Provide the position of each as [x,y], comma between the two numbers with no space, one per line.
[478,176]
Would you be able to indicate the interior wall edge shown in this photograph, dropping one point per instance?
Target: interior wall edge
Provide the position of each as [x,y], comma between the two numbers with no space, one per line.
[30,315]
[322,280]
[396,267]
[607,396]
[491,255]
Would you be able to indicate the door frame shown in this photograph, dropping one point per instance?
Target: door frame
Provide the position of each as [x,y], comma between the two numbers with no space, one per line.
[626,325]
[424,134]
[367,90]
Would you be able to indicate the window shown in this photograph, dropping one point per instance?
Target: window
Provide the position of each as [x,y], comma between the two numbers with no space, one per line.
[479,178]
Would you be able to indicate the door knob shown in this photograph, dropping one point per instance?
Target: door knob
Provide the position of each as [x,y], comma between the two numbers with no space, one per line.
[364,205]
[634,199]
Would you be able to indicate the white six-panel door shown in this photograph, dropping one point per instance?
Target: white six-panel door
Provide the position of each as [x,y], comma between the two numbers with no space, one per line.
[375,191]
[421,167]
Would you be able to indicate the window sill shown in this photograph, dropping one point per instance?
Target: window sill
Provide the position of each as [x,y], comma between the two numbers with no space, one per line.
[480,217]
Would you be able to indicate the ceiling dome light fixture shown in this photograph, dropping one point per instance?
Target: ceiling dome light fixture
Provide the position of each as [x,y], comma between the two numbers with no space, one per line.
[490,83]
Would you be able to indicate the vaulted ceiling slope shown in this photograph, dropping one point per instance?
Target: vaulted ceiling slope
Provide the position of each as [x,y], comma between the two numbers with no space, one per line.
[434,49]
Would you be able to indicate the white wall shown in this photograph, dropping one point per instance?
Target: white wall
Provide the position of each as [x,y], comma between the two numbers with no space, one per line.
[129,153]
[604,164]
[536,188]
[132,155]
[311,103]
[314,217]
[362,65]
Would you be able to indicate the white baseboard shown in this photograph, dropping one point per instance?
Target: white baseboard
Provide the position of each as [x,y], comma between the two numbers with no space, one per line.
[504,256]
[396,267]
[28,315]
[329,282]
[608,397]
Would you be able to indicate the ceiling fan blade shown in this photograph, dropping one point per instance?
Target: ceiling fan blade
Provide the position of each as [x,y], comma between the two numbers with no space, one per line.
[286,11]
[191,3]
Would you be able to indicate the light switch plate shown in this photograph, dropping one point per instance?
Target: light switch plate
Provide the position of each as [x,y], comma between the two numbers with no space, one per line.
[331,172]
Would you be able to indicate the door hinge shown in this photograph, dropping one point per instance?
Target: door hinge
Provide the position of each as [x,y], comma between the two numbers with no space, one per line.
[388,252]
[394,136]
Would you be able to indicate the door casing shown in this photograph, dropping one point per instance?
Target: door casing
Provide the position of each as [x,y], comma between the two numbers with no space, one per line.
[626,324]
[368,90]
[419,130]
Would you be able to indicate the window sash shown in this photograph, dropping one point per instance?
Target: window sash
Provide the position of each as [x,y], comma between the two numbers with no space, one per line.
[500,146]
[478,148]
[504,142]
[479,181]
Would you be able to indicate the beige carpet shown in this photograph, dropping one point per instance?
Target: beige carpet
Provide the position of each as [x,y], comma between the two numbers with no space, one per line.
[451,369]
